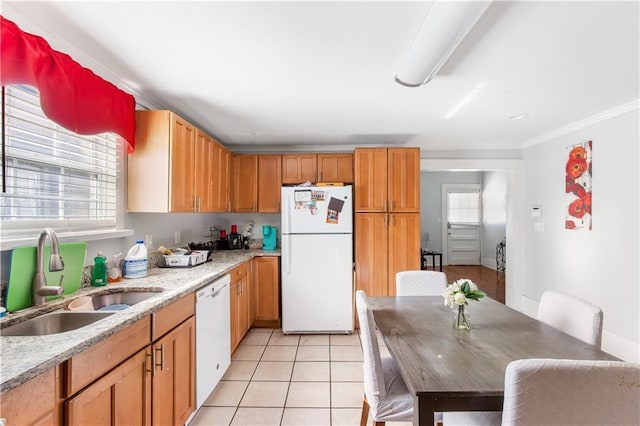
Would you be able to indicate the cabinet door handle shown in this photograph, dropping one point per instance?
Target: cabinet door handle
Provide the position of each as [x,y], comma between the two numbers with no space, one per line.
[151,370]
[194,204]
[161,349]
[385,205]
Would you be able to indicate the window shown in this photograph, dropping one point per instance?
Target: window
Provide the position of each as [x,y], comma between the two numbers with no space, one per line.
[52,176]
[464,206]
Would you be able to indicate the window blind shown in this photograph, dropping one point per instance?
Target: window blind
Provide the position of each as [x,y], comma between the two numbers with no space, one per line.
[464,207]
[51,175]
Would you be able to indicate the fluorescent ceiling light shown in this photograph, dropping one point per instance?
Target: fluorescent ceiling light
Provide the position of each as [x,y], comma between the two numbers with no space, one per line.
[446,25]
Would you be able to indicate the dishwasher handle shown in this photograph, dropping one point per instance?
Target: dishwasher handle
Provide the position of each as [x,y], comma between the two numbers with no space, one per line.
[218,291]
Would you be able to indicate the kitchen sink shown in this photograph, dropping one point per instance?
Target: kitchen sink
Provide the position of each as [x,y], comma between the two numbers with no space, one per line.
[54,322]
[121,300]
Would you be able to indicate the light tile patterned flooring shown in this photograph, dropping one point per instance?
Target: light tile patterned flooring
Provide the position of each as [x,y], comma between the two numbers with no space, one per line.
[276,379]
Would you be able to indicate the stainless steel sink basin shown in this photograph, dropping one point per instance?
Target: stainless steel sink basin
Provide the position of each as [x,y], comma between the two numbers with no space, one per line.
[54,322]
[118,301]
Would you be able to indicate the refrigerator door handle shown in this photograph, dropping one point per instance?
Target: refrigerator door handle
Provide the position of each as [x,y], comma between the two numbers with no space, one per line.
[286,215]
[287,254]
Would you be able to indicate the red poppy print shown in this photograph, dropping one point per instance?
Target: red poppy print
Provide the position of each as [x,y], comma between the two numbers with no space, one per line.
[576,166]
[577,153]
[578,186]
[576,209]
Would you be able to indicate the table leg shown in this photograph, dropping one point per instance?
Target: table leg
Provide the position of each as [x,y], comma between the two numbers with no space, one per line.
[440,261]
[424,414]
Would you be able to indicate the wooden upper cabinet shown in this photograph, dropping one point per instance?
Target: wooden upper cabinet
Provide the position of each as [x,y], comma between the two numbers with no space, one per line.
[370,173]
[269,183]
[221,183]
[387,180]
[404,180]
[174,167]
[204,172]
[299,168]
[245,189]
[335,168]
[182,165]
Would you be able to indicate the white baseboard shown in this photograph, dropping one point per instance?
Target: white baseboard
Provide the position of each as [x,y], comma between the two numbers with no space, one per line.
[621,347]
[489,263]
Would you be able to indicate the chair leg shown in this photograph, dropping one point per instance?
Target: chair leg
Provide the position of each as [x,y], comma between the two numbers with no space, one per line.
[365,411]
[365,414]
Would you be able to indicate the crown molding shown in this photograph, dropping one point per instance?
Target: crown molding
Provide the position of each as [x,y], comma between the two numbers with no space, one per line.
[581,124]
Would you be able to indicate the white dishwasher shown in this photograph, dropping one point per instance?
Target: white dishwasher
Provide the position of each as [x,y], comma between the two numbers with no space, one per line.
[213,336]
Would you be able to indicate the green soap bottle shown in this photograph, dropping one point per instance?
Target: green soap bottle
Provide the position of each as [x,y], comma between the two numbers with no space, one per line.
[99,274]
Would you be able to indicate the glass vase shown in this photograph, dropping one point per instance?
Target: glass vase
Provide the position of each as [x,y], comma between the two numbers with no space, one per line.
[461,318]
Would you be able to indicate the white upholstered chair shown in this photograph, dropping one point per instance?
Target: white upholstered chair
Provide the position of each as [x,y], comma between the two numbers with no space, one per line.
[385,393]
[420,283]
[571,315]
[564,392]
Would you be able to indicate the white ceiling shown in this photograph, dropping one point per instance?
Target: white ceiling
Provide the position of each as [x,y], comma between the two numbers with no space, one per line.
[294,74]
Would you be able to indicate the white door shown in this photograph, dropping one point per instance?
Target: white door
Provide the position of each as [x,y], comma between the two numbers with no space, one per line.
[462,210]
[463,244]
[317,209]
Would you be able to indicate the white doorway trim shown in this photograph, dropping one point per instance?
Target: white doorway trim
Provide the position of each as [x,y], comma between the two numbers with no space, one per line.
[446,187]
[515,213]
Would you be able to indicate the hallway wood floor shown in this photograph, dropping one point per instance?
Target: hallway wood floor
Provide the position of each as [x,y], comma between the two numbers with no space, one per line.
[488,280]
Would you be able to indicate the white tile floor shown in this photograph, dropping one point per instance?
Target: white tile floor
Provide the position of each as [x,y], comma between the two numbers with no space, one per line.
[276,379]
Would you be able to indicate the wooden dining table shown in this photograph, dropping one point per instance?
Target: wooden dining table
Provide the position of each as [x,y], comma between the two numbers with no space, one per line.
[446,369]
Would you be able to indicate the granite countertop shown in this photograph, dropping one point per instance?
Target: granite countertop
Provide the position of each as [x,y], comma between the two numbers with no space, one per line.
[25,357]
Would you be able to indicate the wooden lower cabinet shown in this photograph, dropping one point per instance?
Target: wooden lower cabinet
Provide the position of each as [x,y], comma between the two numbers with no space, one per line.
[122,397]
[267,300]
[36,402]
[173,380]
[371,253]
[404,245]
[239,312]
[142,375]
[239,299]
[385,244]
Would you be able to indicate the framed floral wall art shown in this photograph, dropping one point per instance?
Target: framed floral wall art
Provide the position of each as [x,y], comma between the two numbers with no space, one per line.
[578,187]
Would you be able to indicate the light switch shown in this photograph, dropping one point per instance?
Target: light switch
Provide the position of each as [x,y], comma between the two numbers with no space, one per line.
[536,211]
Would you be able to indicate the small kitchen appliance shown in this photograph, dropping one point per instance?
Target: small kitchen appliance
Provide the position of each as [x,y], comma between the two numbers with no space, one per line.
[234,239]
[269,237]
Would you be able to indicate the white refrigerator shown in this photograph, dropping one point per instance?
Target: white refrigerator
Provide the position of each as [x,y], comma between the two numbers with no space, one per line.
[317,259]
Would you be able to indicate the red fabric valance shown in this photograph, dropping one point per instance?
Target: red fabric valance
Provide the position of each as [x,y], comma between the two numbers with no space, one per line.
[70,95]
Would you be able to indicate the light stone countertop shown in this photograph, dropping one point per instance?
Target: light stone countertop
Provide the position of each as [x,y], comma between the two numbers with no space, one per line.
[25,357]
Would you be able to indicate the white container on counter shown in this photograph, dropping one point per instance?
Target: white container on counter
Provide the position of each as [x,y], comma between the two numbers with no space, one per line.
[135,263]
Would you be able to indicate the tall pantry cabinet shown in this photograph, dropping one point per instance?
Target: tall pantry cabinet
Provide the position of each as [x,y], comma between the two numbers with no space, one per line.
[387,216]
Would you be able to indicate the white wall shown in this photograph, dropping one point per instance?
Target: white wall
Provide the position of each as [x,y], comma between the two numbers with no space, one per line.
[494,214]
[193,227]
[601,265]
[431,202]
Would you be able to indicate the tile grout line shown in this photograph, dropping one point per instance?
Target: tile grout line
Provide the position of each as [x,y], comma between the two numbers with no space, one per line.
[250,379]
